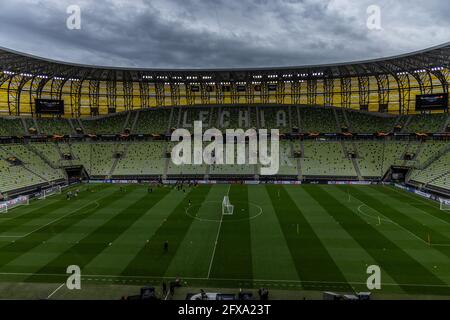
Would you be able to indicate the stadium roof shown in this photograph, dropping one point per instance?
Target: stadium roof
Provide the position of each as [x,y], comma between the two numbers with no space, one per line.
[430,60]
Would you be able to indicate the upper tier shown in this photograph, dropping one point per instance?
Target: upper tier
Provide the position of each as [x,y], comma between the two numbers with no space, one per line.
[387,84]
[288,119]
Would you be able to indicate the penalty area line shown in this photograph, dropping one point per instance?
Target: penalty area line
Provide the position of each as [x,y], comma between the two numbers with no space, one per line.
[386,219]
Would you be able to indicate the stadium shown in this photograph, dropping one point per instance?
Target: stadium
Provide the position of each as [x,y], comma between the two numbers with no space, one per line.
[87,179]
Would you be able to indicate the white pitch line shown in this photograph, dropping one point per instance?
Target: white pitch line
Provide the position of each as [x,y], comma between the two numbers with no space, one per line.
[97,276]
[57,289]
[53,221]
[372,217]
[423,201]
[217,239]
[403,228]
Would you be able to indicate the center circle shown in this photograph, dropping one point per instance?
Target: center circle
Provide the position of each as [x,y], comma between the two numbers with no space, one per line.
[212,211]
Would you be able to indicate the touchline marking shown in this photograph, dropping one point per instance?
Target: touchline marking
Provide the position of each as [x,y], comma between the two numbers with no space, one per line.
[403,228]
[414,197]
[53,221]
[423,201]
[57,289]
[167,295]
[217,238]
[96,277]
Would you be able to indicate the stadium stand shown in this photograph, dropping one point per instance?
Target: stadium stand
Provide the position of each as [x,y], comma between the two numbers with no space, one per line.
[275,117]
[426,123]
[295,119]
[30,169]
[42,162]
[436,174]
[54,126]
[392,154]
[322,99]
[153,121]
[189,115]
[236,117]
[233,169]
[361,122]
[11,127]
[341,119]
[97,158]
[370,158]
[175,170]
[318,120]
[13,177]
[33,162]
[50,151]
[326,158]
[105,125]
[428,151]
[30,124]
[142,158]
[288,164]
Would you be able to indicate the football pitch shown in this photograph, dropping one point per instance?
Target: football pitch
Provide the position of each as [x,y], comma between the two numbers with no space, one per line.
[308,238]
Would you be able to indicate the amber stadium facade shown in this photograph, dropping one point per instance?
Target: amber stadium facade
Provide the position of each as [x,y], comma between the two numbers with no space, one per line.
[388,85]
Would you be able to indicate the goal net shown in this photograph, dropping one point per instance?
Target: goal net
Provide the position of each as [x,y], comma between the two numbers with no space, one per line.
[227,207]
[10,204]
[50,191]
[444,204]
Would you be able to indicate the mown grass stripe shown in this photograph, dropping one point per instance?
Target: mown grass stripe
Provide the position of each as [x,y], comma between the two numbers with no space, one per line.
[270,254]
[25,244]
[37,212]
[97,240]
[151,259]
[406,222]
[390,257]
[425,205]
[350,257]
[312,260]
[200,238]
[115,258]
[233,255]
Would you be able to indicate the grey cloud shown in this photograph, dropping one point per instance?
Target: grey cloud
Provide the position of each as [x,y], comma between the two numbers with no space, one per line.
[219,33]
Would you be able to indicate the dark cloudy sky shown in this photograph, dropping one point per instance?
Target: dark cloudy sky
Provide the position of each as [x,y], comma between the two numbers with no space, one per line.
[221,33]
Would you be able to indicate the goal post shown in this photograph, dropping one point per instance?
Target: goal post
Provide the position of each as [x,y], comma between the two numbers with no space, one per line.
[10,204]
[50,191]
[444,204]
[227,207]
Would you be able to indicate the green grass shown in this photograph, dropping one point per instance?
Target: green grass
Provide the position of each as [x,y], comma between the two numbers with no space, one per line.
[312,237]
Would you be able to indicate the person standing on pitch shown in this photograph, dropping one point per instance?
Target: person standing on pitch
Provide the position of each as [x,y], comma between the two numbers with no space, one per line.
[166,246]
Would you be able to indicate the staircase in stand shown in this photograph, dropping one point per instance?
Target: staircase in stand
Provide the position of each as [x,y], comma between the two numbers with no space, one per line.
[347,122]
[446,124]
[437,178]
[358,171]
[136,118]
[41,155]
[435,157]
[72,126]
[408,121]
[338,124]
[24,124]
[23,165]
